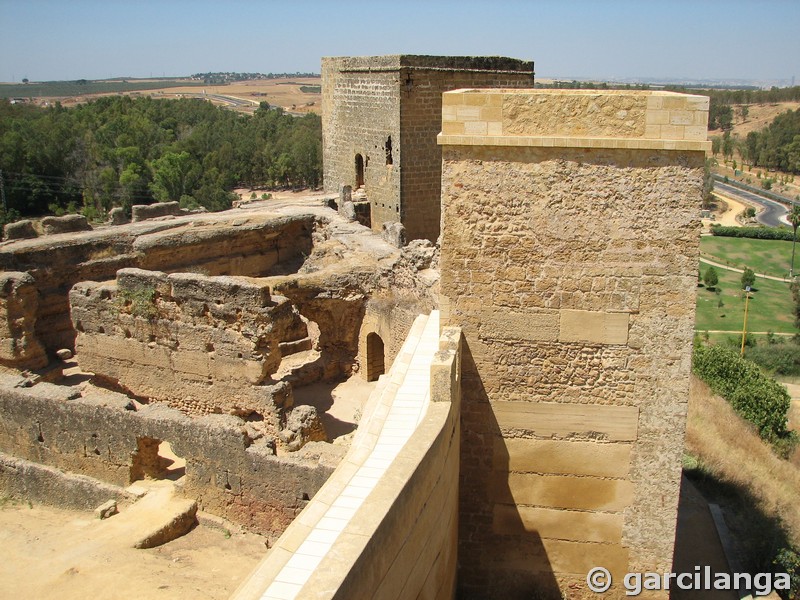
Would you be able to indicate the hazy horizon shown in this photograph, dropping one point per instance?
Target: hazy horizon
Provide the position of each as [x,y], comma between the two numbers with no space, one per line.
[45,40]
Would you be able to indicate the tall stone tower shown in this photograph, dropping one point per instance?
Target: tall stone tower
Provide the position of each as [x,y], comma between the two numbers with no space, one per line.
[380,118]
[569,260]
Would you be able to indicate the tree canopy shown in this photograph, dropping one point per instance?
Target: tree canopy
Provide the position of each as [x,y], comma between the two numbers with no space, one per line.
[119,151]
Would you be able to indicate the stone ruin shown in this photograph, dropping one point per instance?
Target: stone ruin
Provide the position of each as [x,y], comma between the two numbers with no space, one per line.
[568,252]
[197,330]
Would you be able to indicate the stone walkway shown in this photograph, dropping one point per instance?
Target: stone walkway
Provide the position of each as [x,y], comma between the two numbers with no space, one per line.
[403,399]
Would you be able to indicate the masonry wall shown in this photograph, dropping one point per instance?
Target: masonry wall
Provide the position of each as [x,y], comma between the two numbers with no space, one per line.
[360,111]
[202,344]
[367,100]
[401,541]
[226,473]
[420,121]
[249,246]
[569,259]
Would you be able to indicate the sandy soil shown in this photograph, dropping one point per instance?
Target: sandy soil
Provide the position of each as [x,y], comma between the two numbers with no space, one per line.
[36,560]
[727,209]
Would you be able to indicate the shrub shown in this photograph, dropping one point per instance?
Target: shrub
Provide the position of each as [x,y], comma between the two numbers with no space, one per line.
[788,561]
[748,278]
[781,359]
[756,397]
[711,278]
[757,233]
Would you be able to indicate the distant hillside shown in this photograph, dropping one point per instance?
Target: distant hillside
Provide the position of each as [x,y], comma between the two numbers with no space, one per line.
[83,87]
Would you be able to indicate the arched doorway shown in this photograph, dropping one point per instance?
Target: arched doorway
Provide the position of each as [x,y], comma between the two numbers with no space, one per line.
[359,171]
[375,359]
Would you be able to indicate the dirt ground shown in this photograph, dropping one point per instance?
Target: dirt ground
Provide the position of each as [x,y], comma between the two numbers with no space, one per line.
[725,213]
[37,560]
[50,553]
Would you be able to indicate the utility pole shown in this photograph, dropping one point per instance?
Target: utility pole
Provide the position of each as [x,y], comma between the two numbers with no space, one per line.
[744,327]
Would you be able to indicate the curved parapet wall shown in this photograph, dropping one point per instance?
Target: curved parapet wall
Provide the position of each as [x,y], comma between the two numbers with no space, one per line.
[384,525]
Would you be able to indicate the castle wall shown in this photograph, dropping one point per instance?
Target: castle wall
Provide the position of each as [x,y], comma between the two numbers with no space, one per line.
[368,100]
[360,112]
[202,344]
[569,260]
[420,122]
[250,248]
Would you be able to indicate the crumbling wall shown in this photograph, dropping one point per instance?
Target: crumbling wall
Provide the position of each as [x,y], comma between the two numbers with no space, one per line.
[570,263]
[19,346]
[236,245]
[202,344]
[226,472]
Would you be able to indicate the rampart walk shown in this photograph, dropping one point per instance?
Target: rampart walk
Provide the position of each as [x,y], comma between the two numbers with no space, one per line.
[384,524]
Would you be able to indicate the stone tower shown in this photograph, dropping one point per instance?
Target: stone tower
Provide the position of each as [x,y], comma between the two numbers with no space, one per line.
[380,118]
[569,261]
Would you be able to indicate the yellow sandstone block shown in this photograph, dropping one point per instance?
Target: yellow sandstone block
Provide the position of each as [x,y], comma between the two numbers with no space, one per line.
[554,419]
[590,326]
[573,525]
[681,117]
[560,491]
[475,128]
[561,457]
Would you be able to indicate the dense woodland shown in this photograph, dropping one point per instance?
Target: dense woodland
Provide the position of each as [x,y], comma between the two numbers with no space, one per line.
[120,151]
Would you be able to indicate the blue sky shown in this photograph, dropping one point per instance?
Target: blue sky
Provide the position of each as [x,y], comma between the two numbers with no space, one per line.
[91,39]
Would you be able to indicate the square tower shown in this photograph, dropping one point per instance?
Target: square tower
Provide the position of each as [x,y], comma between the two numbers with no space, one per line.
[380,119]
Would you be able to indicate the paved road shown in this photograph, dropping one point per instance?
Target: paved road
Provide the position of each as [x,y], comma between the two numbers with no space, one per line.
[774,213]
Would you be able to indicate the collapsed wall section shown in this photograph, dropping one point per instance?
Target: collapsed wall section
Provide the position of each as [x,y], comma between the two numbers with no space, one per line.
[569,259]
[100,437]
[220,245]
[202,344]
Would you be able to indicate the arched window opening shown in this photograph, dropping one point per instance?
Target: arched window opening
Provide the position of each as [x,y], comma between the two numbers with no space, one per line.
[375,358]
[359,171]
[388,148]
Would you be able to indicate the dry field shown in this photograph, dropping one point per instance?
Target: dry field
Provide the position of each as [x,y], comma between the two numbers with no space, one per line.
[760,115]
[729,449]
[277,92]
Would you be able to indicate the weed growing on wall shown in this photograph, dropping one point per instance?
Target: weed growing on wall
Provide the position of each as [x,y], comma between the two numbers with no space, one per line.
[138,302]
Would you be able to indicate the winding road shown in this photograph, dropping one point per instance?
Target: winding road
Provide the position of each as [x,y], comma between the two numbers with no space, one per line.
[773,213]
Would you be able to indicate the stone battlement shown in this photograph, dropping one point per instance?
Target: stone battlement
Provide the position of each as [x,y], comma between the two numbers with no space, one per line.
[394,62]
[651,120]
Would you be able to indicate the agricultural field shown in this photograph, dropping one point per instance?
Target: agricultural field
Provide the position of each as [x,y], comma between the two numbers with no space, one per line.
[770,306]
[295,95]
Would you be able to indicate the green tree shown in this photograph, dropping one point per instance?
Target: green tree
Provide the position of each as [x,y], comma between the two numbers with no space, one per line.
[174,176]
[748,278]
[794,219]
[744,110]
[708,183]
[710,278]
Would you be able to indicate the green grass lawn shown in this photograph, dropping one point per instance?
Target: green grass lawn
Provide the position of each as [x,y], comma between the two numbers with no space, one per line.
[770,306]
[767,257]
